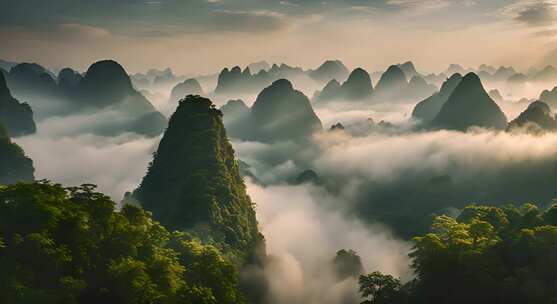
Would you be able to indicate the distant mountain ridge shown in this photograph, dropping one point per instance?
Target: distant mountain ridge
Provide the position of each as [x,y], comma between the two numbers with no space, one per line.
[469,105]
[105,85]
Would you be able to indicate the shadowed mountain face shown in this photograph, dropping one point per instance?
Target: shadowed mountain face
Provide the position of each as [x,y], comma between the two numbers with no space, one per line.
[282,113]
[392,81]
[418,88]
[427,109]
[236,81]
[15,116]
[331,91]
[409,69]
[69,80]
[358,85]
[536,118]
[14,165]
[230,80]
[235,116]
[32,79]
[329,70]
[185,88]
[234,109]
[256,67]
[105,83]
[470,105]
[194,183]
[549,73]
[550,97]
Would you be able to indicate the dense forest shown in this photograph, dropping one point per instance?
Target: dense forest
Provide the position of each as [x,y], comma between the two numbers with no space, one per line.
[69,245]
[485,255]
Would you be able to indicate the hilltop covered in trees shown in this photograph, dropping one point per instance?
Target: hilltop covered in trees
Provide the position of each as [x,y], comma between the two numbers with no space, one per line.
[194,183]
[68,245]
[485,255]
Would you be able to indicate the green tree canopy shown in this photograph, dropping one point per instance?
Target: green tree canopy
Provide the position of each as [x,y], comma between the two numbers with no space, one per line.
[68,245]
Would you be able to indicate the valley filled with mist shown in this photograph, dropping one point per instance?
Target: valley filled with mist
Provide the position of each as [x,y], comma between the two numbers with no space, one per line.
[355,169]
[250,172]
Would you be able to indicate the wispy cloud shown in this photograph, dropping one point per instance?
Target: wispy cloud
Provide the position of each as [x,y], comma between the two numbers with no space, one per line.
[532,12]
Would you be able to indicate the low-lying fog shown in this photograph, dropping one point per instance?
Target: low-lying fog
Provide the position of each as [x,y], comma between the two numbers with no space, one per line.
[306,224]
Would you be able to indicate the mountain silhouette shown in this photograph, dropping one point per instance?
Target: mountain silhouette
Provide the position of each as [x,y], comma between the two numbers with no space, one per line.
[106,84]
[256,67]
[164,77]
[329,70]
[282,113]
[236,118]
[31,79]
[517,78]
[549,73]
[14,165]
[187,87]
[418,88]
[503,73]
[549,97]
[427,109]
[470,105]
[496,95]
[16,117]
[536,117]
[234,109]
[69,80]
[229,80]
[358,85]
[331,91]
[391,83]
[194,184]
[409,69]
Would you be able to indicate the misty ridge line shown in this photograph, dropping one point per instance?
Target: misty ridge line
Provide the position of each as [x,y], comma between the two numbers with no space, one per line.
[356,167]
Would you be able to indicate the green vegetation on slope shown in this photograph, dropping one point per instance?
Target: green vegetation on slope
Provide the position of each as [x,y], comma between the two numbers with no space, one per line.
[14,165]
[486,255]
[193,183]
[67,245]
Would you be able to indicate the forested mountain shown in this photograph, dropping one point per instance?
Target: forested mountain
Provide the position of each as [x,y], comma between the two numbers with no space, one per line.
[536,118]
[194,183]
[427,109]
[469,105]
[329,70]
[486,255]
[392,82]
[14,165]
[16,117]
[282,113]
[68,245]
[358,86]
[187,87]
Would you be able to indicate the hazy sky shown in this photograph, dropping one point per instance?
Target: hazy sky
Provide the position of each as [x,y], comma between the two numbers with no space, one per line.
[201,36]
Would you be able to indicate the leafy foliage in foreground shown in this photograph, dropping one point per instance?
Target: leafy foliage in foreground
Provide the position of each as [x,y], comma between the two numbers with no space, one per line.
[67,245]
[486,255]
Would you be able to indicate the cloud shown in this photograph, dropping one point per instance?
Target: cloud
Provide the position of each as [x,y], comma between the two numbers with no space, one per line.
[304,232]
[115,164]
[247,21]
[82,31]
[532,12]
